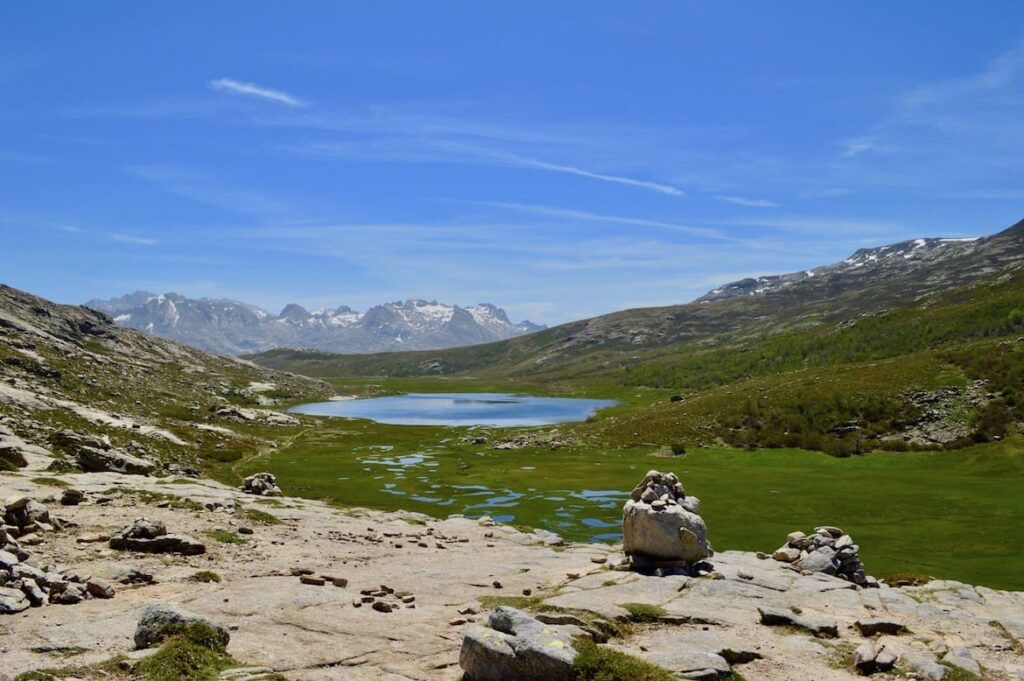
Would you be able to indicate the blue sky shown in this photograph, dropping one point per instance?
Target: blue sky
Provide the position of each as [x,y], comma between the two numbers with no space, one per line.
[559,159]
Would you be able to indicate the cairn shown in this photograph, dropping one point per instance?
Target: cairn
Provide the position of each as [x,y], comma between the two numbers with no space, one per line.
[829,550]
[261,484]
[661,526]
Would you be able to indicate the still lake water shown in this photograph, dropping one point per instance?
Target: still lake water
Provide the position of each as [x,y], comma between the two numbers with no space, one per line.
[460,409]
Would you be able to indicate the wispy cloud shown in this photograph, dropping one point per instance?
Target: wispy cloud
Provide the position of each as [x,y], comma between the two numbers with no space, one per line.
[741,201]
[572,214]
[133,239]
[617,179]
[200,188]
[253,90]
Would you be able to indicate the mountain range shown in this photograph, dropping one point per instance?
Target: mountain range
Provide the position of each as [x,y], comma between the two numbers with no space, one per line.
[870,281]
[233,328]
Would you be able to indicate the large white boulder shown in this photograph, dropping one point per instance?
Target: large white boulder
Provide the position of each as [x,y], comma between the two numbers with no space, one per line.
[659,522]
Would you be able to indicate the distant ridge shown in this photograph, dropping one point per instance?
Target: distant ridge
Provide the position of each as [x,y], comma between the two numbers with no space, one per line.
[234,328]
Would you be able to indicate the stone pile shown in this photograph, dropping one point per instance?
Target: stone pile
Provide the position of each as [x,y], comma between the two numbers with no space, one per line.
[385,599]
[661,525]
[828,550]
[96,454]
[150,536]
[262,484]
[23,583]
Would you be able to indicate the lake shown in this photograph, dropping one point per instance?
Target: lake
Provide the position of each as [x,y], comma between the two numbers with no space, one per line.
[460,409]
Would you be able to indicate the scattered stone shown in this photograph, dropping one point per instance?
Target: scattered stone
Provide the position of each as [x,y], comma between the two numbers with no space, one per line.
[381,606]
[311,580]
[242,529]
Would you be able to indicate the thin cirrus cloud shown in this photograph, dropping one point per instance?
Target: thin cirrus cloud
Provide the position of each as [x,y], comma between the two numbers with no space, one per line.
[742,201]
[253,90]
[132,239]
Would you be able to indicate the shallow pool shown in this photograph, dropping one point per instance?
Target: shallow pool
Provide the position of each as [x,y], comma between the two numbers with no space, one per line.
[461,409]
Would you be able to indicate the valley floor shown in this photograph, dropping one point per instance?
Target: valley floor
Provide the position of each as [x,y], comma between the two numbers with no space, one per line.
[456,570]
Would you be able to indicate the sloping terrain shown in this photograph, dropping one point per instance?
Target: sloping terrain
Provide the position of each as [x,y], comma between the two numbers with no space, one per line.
[230,327]
[71,367]
[915,349]
[607,344]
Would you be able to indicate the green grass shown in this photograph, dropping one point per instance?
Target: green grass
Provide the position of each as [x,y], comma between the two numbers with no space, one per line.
[891,503]
[258,516]
[601,663]
[195,653]
[50,482]
[154,498]
[643,612]
[225,537]
[205,577]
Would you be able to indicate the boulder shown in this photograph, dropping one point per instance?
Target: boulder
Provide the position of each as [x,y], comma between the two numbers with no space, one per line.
[869,658]
[159,620]
[13,601]
[657,525]
[93,460]
[12,452]
[517,646]
[819,626]
[876,626]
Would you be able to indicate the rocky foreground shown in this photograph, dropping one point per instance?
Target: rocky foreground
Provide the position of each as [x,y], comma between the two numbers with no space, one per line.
[357,594]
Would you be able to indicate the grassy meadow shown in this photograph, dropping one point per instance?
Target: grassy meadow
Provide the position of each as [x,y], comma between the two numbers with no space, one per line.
[951,514]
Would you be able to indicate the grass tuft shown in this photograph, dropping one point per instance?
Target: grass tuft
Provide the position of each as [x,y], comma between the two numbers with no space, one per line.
[256,515]
[643,612]
[599,663]
[225,537]
[50,482]
[205,577]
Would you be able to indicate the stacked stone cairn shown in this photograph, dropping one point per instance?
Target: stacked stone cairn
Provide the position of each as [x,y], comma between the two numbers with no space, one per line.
[828,550]
[24,582]
[261,484]
[661,526]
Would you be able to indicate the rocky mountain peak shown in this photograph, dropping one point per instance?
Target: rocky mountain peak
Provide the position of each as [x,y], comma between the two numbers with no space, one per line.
[232,327]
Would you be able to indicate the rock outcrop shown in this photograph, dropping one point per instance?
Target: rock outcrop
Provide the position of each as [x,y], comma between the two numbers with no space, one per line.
[96,454]
[150,536]
[661,525]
